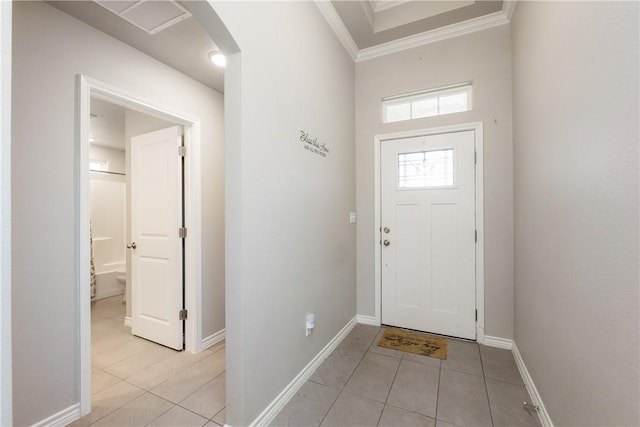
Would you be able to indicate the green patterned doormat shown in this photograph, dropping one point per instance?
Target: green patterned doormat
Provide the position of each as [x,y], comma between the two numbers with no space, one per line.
[413,342]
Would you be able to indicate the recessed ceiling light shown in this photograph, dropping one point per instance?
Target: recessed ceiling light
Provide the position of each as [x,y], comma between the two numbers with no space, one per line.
[218,58]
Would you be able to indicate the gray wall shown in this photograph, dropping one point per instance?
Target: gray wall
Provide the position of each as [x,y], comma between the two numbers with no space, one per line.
[50,48]
[485,59]
[290,247]
[575,96]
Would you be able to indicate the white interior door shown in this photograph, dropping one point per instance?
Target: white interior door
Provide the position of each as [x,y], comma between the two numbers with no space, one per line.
[428,233]
[156,255]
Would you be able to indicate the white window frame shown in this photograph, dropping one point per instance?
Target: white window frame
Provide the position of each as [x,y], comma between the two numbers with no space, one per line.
[430,94]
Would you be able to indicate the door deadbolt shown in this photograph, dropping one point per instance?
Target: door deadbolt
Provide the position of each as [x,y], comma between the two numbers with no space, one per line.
[386,243]
[131,245]
[386,230]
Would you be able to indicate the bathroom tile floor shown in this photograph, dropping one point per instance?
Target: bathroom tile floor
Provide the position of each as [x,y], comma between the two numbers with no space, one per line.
[135,382]
[361,384]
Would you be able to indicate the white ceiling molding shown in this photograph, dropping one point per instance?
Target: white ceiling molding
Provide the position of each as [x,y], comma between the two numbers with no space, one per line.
[338,27]
[438,34]
[450,31]
[379,6]
[507,8]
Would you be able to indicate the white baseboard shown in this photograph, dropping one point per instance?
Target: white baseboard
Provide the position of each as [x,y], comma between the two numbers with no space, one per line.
[127,321]
[212,339]
[367,320]
[545,420]
[272,410]
[497,342]
[62,418]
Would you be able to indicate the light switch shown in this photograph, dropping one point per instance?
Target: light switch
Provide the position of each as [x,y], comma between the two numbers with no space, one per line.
[352,217]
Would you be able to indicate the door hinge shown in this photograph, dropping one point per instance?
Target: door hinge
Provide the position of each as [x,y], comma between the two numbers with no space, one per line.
[475,157]
[182,150]
[476,236]
[182,232]
[476,315]
[182,314]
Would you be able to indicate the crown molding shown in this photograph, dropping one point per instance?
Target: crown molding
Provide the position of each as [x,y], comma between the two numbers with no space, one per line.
[454,30]
[450,31]
[508,6]
[328,11]
[379,6]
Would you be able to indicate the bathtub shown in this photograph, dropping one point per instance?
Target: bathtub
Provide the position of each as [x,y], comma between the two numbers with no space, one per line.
[107,283]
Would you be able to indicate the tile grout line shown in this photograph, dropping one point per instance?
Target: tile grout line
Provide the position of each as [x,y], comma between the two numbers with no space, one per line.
[172,376]
[386,399]
[144,390]
[174,405]
[217,413]
[341,390]
[331,406]
[435,416]
[484,378]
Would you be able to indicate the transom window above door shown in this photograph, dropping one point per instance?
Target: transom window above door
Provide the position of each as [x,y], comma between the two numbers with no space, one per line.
[434,102]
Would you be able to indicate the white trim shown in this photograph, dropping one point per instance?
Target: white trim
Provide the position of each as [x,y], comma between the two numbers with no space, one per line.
[127,321]
[497,342]
[368,320]
[87,87]
[379,6]
[82,237]
[536,399]
[450,31]
[271,411]
[479,134]
[335,22]
[62,418]
[193,245]
[508,6]
[213,339]
[437,34]
[6,397]
[477,127]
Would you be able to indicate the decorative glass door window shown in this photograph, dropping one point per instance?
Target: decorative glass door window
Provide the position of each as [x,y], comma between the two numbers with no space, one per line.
[426,169]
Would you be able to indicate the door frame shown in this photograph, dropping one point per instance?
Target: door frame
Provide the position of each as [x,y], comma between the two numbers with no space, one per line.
[477,128]
[87,87]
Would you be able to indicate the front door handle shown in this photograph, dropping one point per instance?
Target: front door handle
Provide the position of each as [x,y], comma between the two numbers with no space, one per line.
[131,245]
[386,243]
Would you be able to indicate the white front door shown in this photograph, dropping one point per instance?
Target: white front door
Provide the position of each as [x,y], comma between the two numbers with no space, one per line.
[156,252]
[428,233]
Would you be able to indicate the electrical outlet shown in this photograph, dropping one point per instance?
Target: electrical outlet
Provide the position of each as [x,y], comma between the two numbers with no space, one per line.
[310,323]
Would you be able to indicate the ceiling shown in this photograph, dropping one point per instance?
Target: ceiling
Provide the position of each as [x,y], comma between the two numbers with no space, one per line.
[107,124]
[372,23]
[367,28]
[184,46]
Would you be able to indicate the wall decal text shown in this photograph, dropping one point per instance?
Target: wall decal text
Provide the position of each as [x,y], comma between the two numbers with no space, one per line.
[312,144]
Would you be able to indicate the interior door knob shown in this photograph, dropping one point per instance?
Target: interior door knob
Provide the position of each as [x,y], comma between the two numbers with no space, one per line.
[386,243]
[131,245]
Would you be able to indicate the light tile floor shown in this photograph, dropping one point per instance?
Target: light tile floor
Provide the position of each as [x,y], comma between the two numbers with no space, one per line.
[361,384]
[136,382]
